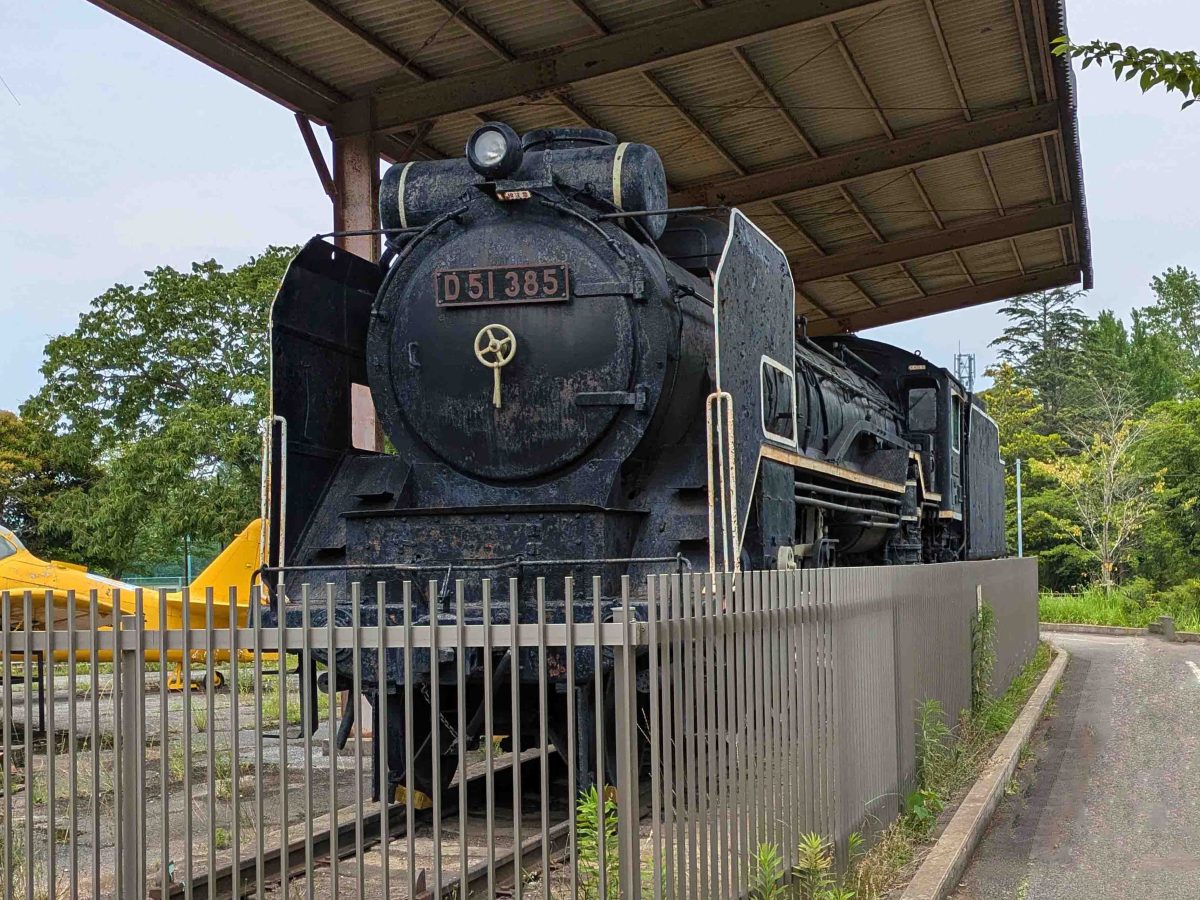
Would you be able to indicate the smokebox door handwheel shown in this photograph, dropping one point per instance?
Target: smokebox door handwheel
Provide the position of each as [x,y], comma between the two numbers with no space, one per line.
[495,346]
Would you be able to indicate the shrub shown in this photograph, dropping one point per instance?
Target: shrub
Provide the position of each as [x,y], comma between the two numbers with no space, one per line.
[1138,590]
[1182,602]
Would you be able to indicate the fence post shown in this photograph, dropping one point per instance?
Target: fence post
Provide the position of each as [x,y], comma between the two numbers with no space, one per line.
[1020,523]
[128,683]
[628,855]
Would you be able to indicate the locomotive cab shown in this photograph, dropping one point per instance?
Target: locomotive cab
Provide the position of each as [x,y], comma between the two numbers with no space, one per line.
[934,404]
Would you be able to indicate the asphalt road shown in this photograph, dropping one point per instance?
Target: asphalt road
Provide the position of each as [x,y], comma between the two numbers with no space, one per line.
[1109,805]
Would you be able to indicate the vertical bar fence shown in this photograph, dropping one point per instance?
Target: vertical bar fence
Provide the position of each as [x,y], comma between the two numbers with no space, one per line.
[470,739]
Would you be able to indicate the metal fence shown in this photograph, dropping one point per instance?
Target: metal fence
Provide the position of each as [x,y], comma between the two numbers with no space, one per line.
[731,712]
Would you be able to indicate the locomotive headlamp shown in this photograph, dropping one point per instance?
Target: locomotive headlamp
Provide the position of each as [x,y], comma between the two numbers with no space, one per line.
[494,150]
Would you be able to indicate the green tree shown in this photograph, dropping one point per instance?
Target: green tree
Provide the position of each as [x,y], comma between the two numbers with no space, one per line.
[35,469]
[1013,403]
[163,385]
[1104,343]
[1175,313]
[1111,495]
[1041,340]
[1174,70]
[1153,362]
[1170,453]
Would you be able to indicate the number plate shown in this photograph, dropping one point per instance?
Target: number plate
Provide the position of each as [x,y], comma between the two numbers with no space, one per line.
[501,284]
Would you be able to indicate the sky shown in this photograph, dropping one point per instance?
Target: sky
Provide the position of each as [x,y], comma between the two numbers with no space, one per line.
[119,153]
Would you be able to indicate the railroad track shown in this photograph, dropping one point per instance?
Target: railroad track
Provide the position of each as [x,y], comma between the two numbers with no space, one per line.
[503,869]
[220,882]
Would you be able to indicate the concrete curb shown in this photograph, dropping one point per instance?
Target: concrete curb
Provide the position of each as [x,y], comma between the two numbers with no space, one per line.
[1179,637]
[942,868]
[1072,628]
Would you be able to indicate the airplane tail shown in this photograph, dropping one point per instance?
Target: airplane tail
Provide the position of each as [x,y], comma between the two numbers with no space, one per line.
[234,567]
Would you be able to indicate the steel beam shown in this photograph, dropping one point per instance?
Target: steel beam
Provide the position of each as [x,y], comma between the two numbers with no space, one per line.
[317,157]
[230,52]
[870,256]
[669,39]
[986,292]
[874,159]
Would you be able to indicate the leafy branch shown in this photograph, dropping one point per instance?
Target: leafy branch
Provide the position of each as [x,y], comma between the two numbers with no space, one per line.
[1177,71]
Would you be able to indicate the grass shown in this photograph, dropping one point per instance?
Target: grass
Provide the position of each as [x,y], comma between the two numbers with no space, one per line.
[271,709]
[1132,605]
[176,762]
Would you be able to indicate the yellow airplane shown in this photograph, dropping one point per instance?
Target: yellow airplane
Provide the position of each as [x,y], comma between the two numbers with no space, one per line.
[21,571]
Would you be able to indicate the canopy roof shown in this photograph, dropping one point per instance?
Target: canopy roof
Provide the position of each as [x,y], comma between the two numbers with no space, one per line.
[911,156]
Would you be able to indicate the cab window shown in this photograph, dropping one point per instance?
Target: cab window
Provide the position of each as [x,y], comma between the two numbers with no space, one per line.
[956,422]
[922,409]
[778,401]
[6,547]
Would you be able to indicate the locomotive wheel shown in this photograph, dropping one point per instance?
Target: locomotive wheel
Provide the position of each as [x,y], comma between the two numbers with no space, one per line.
[585,736]
[217,677]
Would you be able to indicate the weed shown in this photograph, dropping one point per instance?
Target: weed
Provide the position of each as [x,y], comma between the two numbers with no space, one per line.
[295,710]
[222,838]
[983,656]
[17,871]
[856,847]
[221,765]
[921,809]
[812,877]
[880,866]
[766,874]
[176,762]
[587,831]
[935,752]
[812,873]
[200,720]
[39,791]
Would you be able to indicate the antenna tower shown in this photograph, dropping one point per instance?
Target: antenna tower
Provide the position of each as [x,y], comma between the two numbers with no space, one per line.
[964,369]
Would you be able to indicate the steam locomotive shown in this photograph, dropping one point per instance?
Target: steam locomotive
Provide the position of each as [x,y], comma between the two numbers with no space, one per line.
[550,373]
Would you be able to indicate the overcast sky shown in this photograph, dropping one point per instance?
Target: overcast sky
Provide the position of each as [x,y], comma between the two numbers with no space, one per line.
[120,153]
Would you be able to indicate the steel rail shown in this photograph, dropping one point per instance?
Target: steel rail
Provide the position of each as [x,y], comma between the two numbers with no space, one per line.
[219,883]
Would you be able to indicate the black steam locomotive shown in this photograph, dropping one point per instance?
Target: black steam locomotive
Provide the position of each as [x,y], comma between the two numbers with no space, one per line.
[568,379]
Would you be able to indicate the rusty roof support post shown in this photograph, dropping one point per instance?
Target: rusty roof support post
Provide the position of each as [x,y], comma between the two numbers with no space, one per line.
[355,208]
[356,183]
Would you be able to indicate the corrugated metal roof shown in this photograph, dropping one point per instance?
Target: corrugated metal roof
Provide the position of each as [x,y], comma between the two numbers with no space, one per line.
[849,85]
